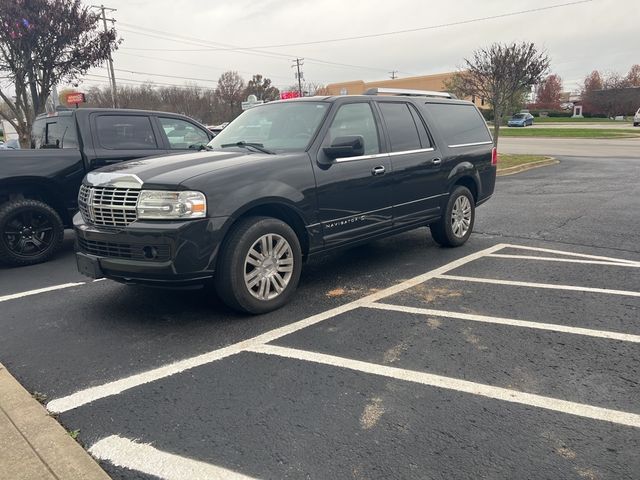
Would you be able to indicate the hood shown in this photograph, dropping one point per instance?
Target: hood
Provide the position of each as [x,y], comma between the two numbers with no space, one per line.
[169,170]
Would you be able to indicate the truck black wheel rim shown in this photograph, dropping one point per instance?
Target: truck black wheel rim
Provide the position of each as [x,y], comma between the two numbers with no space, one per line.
[28,233]
[268,266]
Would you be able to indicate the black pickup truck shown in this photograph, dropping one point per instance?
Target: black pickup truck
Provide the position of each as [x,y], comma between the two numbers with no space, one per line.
[283,182]
[39,186]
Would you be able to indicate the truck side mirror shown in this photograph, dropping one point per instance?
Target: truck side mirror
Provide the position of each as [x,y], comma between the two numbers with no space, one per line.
[347,146]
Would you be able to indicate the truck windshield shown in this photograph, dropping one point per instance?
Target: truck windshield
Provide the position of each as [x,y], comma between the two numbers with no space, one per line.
[54,132]
[287,126]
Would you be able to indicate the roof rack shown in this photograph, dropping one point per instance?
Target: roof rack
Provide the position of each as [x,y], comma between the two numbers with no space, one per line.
[408,92]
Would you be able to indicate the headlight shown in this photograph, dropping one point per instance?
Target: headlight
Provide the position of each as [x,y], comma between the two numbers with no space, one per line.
[164,205]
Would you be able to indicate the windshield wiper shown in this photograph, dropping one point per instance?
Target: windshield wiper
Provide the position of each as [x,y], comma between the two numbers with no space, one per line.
[249,145]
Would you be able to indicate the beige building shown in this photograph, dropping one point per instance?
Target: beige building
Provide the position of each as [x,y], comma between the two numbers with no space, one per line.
[423,82]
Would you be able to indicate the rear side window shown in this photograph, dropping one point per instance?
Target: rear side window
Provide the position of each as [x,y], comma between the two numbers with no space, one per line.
[125,132]
[403,132]
[460,124]
[54,132]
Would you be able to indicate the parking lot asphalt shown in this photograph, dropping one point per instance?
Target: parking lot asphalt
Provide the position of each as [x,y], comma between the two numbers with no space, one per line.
[514,356]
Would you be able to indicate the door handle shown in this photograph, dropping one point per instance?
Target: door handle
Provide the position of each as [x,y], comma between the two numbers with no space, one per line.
[436,161]
[379,170]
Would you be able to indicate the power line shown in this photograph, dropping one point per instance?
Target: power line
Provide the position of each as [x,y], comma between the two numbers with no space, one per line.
[394,32]
[225,48]
[195,65]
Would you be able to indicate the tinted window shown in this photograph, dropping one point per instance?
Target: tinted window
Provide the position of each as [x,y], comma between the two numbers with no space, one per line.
[182,134]
[403,132]
[355,119]
[460,124]
[125,132]
[425,140]
[54,132]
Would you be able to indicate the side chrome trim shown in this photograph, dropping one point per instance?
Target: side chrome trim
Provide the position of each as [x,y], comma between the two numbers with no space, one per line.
[384,155]
[408,152]
[361,157]
[489,142]
[421,199]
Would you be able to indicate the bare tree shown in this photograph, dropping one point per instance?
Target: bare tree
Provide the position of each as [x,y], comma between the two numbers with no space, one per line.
[612,94]
[229,95]
[43,42]
[501,74]
[262,88]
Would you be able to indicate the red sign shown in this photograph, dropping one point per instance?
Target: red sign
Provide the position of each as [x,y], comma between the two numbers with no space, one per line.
[75,98]
[289,94]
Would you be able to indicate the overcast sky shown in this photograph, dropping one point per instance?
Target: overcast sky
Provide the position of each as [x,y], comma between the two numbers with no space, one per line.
[600,34]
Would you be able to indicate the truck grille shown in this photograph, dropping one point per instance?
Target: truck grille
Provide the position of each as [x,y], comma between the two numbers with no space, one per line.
[124,250]
[108,206]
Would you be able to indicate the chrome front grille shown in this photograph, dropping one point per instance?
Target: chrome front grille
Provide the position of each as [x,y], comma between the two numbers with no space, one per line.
[108,206]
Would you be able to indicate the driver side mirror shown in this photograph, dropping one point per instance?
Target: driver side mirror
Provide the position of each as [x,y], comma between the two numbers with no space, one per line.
[348,146]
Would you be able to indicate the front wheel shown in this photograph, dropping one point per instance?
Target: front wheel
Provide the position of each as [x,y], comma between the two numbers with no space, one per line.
[30,232]
[259,266]
[456,224]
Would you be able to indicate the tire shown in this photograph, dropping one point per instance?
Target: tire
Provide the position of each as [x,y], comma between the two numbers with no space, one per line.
[635,124]
[238,271]
[30,232]
[450,230]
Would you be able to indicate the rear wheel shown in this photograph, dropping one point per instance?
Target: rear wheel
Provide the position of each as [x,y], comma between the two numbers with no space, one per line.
[259,266]
[30,232]
[456,224]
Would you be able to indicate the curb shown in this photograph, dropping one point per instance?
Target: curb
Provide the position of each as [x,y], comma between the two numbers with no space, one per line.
[527,166]
[33,445]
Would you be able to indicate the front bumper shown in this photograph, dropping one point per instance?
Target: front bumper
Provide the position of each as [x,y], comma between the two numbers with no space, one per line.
[156,253]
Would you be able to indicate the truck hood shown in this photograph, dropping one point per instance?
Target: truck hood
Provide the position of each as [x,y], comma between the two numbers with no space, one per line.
[169,170]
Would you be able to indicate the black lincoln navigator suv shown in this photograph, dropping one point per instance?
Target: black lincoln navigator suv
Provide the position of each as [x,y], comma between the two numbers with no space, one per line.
[285,181]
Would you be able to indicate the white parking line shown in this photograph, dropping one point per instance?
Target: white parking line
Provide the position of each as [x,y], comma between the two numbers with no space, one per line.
[144,458]
[570,254]
[498,393]
[566,260]
[550,286]
[53,288]
[28,293]
[624,337]
[92,394]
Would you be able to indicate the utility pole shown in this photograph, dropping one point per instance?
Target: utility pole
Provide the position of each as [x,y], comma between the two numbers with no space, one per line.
[112,73]
[394,74]
[298,62]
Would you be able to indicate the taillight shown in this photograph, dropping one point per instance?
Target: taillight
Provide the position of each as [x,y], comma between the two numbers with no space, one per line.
[494,156]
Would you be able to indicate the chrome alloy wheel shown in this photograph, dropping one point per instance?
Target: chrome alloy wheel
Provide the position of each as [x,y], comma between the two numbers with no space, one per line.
[461,216]
[268,266]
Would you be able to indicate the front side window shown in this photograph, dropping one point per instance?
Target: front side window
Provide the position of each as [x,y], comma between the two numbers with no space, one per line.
[182,134]
[54,132]
[278,126]
[355,119]
[125,132]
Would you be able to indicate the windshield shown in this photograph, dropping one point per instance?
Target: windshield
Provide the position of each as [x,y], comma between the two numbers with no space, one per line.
[519,116]
[287,126]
